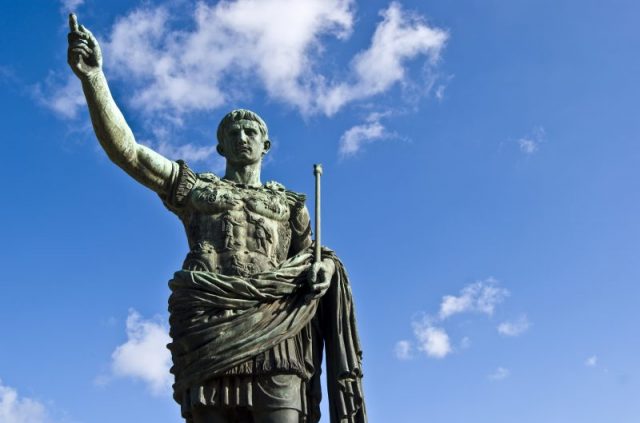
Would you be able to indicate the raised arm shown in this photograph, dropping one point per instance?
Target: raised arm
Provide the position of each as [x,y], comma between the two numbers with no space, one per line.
[143,164]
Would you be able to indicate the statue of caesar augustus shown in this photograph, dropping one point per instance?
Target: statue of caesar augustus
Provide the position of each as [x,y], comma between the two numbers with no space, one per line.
[251,312]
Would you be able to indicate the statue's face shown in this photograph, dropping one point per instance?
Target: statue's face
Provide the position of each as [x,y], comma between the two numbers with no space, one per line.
[244,143]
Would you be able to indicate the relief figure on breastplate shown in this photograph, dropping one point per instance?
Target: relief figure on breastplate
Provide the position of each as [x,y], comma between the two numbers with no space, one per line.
[262,234]
[228,226]
[252,312]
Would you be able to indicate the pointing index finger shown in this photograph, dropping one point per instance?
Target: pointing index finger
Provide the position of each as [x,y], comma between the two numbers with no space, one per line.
[73,23]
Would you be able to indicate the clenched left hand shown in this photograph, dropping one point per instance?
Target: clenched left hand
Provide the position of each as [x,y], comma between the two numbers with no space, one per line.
[319,278]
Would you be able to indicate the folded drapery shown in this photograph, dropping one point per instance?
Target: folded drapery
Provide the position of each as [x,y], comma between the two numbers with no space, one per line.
[219,321]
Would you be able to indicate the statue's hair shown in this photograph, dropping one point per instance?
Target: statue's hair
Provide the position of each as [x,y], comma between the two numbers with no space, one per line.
[240,114]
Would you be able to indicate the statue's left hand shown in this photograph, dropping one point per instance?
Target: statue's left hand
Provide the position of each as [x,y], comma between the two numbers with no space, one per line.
[319,278]
[83,55]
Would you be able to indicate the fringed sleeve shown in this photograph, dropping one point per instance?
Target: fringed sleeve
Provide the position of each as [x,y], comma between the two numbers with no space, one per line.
[181,183]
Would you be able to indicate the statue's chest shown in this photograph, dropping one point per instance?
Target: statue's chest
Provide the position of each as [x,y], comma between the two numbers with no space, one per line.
[217,198]
[239,227]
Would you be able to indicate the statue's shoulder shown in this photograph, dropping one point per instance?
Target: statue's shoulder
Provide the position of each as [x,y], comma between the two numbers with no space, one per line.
[183,182]
[294,199]
[208,177]
[275,186]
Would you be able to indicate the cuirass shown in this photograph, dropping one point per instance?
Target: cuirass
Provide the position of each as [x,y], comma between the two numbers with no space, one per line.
[235,229]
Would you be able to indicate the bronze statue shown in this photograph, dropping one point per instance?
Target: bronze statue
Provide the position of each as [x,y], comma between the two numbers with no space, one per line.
[251,311]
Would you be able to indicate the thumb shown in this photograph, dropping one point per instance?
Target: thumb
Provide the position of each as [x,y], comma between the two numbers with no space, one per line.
[313,273]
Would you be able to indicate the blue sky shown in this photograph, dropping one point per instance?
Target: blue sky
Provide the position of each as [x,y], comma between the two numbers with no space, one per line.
[481,186]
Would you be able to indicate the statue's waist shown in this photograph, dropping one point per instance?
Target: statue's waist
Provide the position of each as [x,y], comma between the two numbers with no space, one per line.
[240,262]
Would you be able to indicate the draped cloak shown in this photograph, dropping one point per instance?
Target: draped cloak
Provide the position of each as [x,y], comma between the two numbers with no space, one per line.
[265,309]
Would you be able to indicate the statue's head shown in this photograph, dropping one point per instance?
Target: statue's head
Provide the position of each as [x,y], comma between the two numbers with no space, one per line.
[243,137]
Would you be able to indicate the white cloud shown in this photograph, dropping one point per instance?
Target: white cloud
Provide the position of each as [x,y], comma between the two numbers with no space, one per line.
[432,340]
[400,37]
[64,98]
[232,45]
[192,153]
[500,374]
[481,296]
[144,356]
[16,409]
[275,44]
[355,137]
[527,145]
[591,361]
[531,143]
[71,5]
[174,65]
[514,327]
[403,349]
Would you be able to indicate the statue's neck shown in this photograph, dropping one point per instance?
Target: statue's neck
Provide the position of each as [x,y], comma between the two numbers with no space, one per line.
[246,174]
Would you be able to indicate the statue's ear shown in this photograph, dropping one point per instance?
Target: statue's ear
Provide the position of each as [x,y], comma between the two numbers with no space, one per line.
[220,150]
[267,146]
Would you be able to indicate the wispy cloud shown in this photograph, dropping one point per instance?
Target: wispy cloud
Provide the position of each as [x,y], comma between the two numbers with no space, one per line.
[430,334]
[465,342]
[591,361]
[400,37]
[480,297]
[7,75]
[62,95]
[500,374]
[191,153]
[69,6]
[514,327]
[530,143]
[17,409]
[403,349]
[144,356]
[352,141]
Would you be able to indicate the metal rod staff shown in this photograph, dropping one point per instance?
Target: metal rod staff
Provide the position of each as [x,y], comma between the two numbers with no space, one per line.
[317,171]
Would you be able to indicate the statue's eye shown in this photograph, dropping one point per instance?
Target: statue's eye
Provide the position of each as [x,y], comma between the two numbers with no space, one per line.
[251,132]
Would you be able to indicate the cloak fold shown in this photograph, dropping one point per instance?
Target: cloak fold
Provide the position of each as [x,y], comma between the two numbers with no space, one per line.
[218,322]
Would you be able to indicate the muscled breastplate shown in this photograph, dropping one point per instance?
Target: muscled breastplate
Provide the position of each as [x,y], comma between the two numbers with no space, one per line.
[234,229]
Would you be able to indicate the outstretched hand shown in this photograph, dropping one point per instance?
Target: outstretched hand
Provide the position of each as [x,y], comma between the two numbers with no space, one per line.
[83,55]
[319,278]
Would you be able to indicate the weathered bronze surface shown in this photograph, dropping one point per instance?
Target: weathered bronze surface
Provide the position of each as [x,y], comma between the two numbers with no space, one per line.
[255,306]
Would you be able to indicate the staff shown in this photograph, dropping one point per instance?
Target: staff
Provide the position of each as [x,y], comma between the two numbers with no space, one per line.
[317,171]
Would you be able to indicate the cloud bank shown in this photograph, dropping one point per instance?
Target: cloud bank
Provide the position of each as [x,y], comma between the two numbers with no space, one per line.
[276,45]
[174,65]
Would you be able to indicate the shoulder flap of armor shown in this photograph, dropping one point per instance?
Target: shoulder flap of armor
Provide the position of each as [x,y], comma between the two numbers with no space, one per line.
[208,177]
[275,186]
[294,199]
